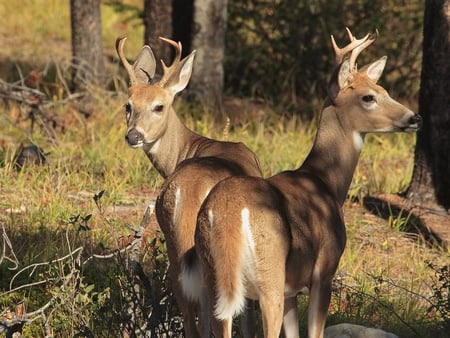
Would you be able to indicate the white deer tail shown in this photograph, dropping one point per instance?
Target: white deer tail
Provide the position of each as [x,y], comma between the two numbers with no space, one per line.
[191,276]
[230,250]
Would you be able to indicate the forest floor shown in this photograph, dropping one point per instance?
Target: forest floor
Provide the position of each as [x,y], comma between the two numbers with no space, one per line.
[432,222]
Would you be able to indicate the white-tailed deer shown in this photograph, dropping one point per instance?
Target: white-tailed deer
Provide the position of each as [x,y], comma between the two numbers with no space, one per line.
[190,163]
[271,240]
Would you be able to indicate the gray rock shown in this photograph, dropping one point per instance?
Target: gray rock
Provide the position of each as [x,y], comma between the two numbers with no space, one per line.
[356,331]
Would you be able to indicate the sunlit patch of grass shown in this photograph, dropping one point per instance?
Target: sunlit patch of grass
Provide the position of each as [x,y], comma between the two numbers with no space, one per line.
[385,165]
[81,161]
[29,34]
[388,275]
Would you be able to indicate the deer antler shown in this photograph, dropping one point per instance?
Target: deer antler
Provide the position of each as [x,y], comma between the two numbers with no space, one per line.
[355,47]
[169,70]
[120,42]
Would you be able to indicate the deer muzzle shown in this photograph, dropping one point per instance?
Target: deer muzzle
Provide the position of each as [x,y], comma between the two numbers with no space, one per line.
[414,123]
[134,138]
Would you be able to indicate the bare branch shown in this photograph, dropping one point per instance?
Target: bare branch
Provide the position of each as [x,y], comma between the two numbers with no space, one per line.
[35,265]
[6,243]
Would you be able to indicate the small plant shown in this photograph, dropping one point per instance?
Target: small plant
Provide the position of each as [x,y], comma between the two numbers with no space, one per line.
[398,221]
[441,295]
[74,304]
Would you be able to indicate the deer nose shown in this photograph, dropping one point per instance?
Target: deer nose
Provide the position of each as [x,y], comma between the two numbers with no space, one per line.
[133,137]
[416,119]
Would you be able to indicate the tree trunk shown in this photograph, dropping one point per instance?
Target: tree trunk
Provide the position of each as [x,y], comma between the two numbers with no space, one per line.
[158,23]
[87,47]
[182,22]
[210,17]
[430,183]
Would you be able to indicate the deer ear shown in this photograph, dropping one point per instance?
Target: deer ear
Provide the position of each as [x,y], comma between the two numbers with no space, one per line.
[181,78]
[339,79]
[145,65]
[374,70]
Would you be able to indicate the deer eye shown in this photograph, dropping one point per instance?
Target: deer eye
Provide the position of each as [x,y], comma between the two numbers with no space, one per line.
[128,110]
[368,98]
[158,108]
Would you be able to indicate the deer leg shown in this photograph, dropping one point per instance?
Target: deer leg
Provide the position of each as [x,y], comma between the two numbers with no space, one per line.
[272,309]
[271,302]
[187,308]
[290,318]
[203,321]
[319,300]
[226,326]
[248,320]
[220,328]
[189,324]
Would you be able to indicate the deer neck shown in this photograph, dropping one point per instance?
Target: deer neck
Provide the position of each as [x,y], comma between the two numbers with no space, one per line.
[334,155]
[172,146]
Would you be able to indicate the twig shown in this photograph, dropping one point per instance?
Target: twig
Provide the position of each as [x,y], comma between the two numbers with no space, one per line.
[7,243]
[35,265]
[21,93]
[25,286]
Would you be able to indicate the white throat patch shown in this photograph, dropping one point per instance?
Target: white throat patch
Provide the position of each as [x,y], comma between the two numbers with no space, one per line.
[357,140]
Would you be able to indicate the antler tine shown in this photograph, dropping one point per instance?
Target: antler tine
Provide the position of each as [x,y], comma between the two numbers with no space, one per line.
[342,52]
[169,70]
[368,40]
[120,42]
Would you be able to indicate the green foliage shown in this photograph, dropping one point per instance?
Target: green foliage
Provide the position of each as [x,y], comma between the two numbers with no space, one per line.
[76,305]
[281,50]
[399,222]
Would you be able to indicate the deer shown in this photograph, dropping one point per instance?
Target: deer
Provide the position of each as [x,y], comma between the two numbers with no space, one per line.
[276,238]
[191,165]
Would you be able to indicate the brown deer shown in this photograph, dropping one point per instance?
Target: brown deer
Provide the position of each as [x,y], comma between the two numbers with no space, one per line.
[190,163]
[273,239]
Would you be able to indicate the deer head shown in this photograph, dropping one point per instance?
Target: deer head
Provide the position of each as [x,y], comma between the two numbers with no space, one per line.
[369,106]
[150,100]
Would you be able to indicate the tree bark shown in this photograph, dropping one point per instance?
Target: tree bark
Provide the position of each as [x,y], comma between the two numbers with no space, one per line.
[158,23]
[210,17]
[430,184]
[182,22]
[87,47]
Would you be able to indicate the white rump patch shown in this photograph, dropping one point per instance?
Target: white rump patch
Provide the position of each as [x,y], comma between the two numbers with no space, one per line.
[210,217]
[245,216]
[176,209]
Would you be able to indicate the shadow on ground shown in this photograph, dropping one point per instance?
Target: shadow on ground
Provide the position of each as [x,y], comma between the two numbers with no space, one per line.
[432,225]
